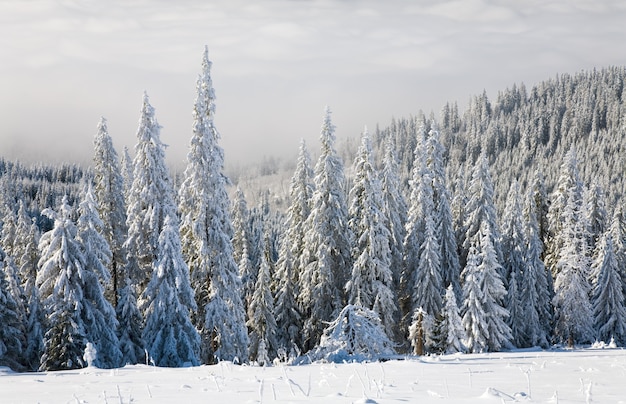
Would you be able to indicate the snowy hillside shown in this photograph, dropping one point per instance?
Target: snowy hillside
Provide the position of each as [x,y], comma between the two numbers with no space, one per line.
[561,376]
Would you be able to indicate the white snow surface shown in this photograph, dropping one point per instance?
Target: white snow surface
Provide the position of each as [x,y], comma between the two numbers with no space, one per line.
[533,376]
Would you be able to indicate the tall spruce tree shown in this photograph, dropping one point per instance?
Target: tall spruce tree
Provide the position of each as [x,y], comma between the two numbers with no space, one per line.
[537,289]
[261,321]
[109,190]
[60,280]
[288,267]
[394,207]
[608,295]
[444,222]
[100,321]
[326,260]
[12,329]
[573,311]
[26,246]
[514,249]
[371,283]
[170,337]
[150,198]
[206,233]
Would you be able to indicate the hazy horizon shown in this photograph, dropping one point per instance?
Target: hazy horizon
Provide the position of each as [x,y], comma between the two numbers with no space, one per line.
[276,64]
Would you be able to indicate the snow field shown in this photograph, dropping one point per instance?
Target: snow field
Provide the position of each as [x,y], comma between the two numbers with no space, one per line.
[560,376]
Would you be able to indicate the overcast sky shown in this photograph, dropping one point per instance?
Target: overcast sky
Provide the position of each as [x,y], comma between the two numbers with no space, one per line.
[276,64]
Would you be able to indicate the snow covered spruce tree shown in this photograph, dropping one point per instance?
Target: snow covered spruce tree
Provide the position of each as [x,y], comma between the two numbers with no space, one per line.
[444,222]
[130,325]
[326,259]
[27,258]
[514,249]
[206,233]
[481,210]
[12,329]
[608,295]
[72,299]
[356,334]
[109,190]
[101,323]
[450,328]
[288,267]
[150,199]
[568,186]
[261,321]
[537,290]
[170,337]
[371,282]
[394,208]
[484,315]
[573,311]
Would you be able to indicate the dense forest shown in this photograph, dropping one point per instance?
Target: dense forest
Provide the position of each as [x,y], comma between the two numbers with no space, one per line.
[498,227]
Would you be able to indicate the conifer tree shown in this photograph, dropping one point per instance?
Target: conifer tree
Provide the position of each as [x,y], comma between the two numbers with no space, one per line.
[451,327]
[573,311]
[484,316]
[595,214]
[608,296]
[109,190]
[150,198]
[444,222]
[101,324]
[371,283]
[569,186]
[395,209]
[288,267]
[206,235]
[170,337]
[12,329]
[26,248]
[426,285]
[241,219]
[261,321]
[130,320]
[514,246]
[61,270]
[326,259]
[481,209]
[537,290]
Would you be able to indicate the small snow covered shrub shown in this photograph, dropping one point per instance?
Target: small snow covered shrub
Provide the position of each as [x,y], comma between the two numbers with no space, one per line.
[355,335]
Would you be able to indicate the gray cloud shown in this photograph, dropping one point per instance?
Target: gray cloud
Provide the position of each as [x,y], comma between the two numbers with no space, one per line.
[276,64]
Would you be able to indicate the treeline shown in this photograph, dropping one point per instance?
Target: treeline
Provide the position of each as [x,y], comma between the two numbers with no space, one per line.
[463,234]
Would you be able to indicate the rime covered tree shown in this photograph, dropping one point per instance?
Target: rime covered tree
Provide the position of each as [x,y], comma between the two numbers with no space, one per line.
[537,290]
[12,329]
[130,320]
[608,295]
[514,249]
[206,235]
[170,337]
[261,321]
[109,191]
[484,315]
[573,311]
[150,198]
[26,258]
[481,210]
[394,208]
[444,222]
[371,283]
[450,327]
[100,321]
[326,259]
[60,280]
[288,267]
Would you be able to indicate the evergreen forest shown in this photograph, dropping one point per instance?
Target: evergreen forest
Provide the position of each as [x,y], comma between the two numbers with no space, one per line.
[482,229]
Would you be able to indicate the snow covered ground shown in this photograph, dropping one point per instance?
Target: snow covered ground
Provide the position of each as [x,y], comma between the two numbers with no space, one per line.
[560,376]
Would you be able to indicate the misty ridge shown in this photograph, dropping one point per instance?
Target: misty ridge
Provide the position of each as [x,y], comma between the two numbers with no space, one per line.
[475,230]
